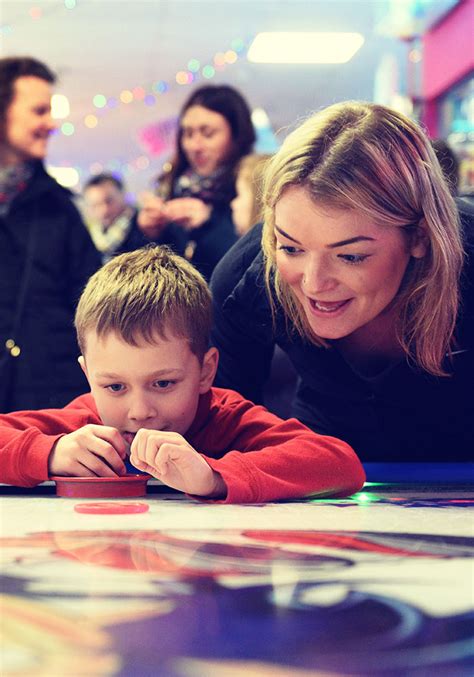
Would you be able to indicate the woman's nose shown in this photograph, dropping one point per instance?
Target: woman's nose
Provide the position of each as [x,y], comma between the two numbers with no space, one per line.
[317,278]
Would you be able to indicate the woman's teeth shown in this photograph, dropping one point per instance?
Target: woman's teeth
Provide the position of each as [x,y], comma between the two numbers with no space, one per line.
[327,306]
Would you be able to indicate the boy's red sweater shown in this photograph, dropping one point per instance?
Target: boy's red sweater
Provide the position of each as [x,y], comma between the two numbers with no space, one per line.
[259,456]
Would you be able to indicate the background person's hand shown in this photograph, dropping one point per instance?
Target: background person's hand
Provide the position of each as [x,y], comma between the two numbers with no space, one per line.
[91,451]
[189,212]
[171,459]
[152,218]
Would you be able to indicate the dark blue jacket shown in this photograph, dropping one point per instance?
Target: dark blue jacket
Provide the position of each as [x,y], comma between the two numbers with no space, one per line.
[46,372]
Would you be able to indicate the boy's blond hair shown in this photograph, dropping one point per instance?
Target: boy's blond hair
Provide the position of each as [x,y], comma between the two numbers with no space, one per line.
[146,292]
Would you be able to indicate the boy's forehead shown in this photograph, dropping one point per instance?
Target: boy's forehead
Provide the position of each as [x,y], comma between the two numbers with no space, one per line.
[95,340]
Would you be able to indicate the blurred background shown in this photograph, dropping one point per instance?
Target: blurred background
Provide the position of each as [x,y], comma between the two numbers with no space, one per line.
[126,67]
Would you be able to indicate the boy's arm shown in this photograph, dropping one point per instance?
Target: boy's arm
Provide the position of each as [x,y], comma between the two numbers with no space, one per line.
[28,437]
[262,458]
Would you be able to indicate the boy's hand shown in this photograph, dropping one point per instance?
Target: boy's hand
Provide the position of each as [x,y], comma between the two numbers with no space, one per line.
[168,457]
[91,451]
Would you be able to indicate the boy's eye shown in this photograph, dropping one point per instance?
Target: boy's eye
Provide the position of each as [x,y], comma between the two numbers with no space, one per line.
[164,384]
[353,259]
[114,387]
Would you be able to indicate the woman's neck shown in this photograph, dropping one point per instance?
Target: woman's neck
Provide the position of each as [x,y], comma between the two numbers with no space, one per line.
[373,347]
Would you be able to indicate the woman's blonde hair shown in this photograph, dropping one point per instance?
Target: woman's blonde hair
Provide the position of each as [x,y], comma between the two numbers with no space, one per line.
[367,157]
[146,292]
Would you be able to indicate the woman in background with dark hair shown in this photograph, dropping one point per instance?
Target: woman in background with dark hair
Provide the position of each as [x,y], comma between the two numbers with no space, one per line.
[215,132]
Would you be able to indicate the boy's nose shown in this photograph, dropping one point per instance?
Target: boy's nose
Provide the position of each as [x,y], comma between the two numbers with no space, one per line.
[141,409]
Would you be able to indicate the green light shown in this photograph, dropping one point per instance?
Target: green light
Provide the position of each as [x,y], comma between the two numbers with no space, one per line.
[67,128]
[194,65]
[237,45]
[364,497]
[208,72]
[99,101]
[69,4]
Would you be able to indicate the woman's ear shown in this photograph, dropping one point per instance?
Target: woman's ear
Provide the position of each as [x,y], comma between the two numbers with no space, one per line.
[419,244]
[208,370]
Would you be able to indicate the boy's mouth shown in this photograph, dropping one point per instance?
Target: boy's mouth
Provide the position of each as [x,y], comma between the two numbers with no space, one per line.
[128,437]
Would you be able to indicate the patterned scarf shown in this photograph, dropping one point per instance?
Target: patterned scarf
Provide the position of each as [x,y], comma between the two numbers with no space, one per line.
[12,181]
[216,188]
[108,240]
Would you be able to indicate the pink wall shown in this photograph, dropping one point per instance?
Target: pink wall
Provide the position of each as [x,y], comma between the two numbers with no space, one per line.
[448,50]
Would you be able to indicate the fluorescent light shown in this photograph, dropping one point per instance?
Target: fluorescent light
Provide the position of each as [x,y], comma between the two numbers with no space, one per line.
[304,47]
[59,106]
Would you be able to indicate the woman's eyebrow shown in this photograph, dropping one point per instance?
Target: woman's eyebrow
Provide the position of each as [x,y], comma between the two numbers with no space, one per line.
[282,232]
[342,243]
[351,240]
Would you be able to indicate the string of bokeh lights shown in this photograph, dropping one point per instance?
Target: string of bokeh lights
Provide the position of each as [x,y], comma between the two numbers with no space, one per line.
[147,95]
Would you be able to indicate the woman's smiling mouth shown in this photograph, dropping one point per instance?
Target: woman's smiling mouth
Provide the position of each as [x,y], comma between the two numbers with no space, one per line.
[328,307]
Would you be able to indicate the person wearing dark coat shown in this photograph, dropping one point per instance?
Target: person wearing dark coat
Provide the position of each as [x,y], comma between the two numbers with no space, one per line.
[46,254]
[363,274]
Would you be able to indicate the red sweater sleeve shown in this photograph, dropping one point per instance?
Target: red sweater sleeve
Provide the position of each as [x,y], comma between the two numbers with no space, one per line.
[27,438]
[262,458]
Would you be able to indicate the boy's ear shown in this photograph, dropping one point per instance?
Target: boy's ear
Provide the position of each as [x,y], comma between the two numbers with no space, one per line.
[83,365]
[208,370]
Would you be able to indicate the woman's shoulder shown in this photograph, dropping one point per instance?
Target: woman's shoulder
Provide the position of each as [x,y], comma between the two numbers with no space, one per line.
[243,260]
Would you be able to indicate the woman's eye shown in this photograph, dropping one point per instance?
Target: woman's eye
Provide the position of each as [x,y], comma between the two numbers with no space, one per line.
[353,259]
[115,387]
[288,249]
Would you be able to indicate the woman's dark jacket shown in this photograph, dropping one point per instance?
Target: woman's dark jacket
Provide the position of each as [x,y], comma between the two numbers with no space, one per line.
[403,414]
[42,218]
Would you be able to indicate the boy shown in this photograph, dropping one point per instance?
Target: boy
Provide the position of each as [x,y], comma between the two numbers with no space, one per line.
[143,324]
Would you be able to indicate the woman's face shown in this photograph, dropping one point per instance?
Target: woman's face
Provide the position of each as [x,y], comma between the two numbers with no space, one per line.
[206,139]
[242,206]
[344,269]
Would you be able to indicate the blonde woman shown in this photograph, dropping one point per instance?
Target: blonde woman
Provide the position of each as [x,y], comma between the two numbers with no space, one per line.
[363,275]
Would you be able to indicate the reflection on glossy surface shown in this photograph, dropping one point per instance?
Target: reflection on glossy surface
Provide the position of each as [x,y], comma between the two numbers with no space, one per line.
[117,596]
